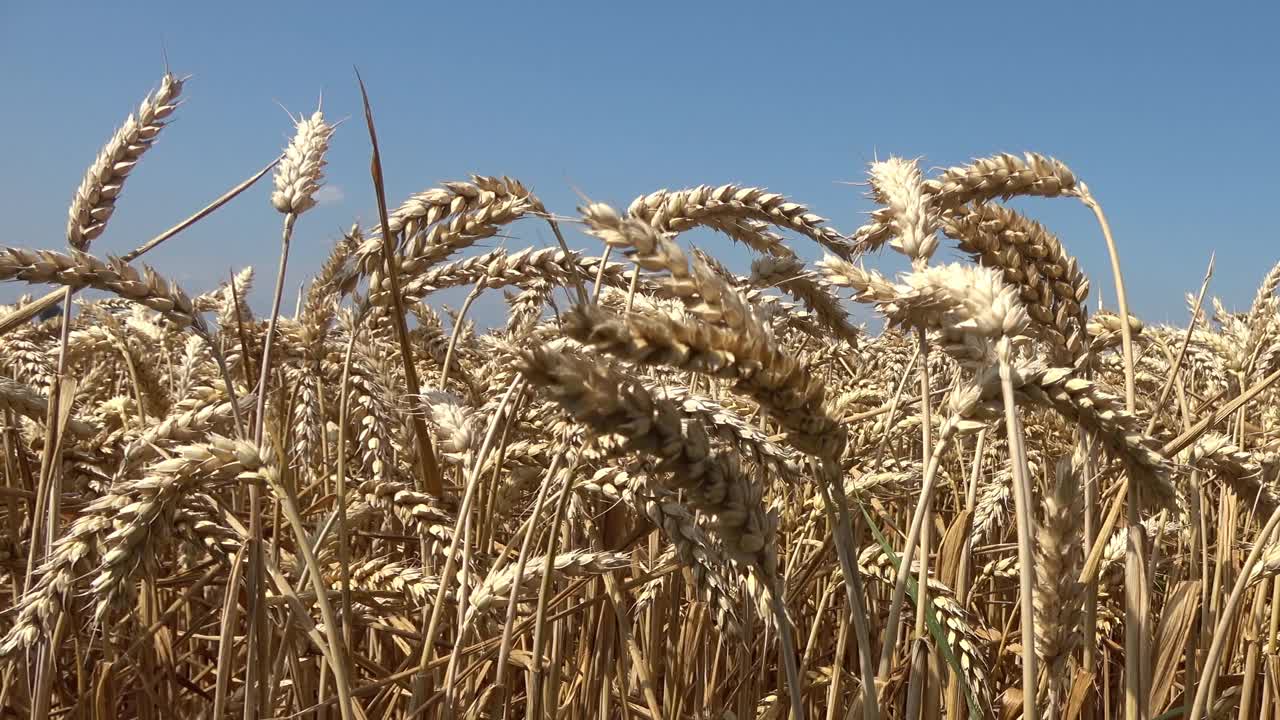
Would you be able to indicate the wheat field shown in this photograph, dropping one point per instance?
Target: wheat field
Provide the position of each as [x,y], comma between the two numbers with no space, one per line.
[657,488]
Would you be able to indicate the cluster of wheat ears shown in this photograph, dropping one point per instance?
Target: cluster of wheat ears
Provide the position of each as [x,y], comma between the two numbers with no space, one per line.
[659,490]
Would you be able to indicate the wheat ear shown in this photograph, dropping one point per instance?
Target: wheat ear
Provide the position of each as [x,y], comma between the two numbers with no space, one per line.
[95,200]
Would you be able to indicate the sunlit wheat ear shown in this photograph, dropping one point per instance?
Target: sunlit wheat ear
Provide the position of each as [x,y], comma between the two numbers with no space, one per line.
[80,270]
[151,499]
[791,276]
[967,298]
[522,269]
[726,208]
[608,402]
[570,564]
[897,184]
[1243,472]
[650,249]
[22,400]
[1087,404]
[1003,176]
[189,422]
[707,293]
[759,367]
[94,202]
[299,173]
[1031,258]
[39,609]
[453,199]
[453,422]
[868,286]
[384,574]
[705,561]
[1264,300]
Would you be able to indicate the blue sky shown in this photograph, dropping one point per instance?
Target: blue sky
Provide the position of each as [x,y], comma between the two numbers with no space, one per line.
[1168,111]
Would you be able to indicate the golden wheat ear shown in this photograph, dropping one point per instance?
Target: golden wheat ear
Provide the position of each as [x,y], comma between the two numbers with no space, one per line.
[95,200]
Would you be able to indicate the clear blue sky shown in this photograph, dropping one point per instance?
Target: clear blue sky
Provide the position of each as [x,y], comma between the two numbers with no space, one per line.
[1169,111]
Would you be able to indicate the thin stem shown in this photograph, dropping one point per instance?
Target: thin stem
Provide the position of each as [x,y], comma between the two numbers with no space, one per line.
[259,426]
[577,278]
[533,704]
[526,545]
[786,643]
[926,441]
[333,633]
[1026,548]
[955,695]
[1089,656]
[51,491]
[841,519]
[1182,350]
[458,322]
[254,665]
[1136,658]
[344,542]
[604,263]
[927,485]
